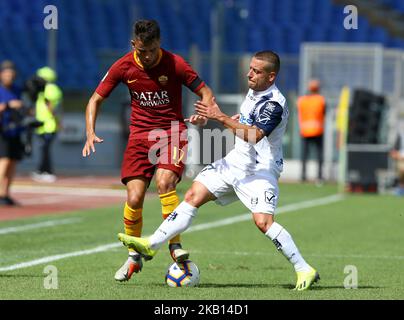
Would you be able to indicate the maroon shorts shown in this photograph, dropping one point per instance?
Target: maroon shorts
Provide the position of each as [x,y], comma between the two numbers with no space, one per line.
[142,157]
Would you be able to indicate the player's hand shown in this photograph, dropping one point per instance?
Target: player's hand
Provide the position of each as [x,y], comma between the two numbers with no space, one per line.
[197,120]
[89,146]
[15,104]
[209,109]
[236,117]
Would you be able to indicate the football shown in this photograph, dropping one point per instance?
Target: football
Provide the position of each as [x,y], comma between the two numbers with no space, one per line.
[182,274]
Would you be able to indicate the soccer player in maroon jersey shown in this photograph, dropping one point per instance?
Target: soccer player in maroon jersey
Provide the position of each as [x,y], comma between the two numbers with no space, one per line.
[154,78]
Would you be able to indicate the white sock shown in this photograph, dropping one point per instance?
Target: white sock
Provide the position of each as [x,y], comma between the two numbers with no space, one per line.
[176,222]
[134,254]
[284,242]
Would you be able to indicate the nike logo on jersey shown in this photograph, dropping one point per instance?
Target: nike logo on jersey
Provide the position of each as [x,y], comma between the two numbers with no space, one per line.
[131,81]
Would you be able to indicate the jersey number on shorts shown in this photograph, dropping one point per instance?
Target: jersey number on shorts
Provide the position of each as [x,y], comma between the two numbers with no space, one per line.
[178,155]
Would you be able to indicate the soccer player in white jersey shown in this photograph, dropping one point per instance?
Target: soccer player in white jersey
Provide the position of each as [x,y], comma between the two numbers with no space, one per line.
[250,171]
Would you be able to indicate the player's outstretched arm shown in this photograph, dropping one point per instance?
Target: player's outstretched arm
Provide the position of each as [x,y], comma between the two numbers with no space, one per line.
[206,95]
[211,110]
[91,116]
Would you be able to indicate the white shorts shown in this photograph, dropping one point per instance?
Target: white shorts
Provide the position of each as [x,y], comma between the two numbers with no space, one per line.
[258,192]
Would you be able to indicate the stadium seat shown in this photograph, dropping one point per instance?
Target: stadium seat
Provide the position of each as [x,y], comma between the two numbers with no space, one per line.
[336,34]
[378,34]
[255,40]
[315,34]
[398,5]
[396,43]
[294,35]
[90,27]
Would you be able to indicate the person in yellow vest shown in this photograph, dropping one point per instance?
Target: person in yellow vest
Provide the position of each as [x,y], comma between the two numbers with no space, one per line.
[45,111]
[311,112]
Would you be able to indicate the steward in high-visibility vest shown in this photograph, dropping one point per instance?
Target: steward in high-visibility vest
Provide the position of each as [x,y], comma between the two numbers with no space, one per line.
[45,111]
[311,113]
[311,109]
[47,102]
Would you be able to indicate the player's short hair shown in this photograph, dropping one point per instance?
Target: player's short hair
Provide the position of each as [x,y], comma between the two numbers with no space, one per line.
[7,64]
[274,63]
[146,31]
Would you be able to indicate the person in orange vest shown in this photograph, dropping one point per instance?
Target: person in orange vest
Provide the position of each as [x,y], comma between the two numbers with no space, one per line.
[311,111]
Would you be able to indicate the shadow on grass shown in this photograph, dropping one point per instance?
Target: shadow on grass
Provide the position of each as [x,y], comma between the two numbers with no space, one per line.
[21,276]
[245,285]
[320,287]
[219,285]
[316,287]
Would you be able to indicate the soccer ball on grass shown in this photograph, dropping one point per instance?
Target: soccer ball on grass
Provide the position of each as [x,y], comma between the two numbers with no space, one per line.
[182,274]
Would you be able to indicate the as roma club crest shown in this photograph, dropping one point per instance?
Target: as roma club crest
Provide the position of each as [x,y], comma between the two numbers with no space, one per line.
[163,80]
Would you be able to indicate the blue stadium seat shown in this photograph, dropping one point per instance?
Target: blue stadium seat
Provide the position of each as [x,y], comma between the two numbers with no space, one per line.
[377,34]
[396,43]
[255,40]
[283,12]
[275,39]
[398,5]
[294,35]
[337,34]
[322,12]
[361,33]
[315,34]
[88,27]
[228,77]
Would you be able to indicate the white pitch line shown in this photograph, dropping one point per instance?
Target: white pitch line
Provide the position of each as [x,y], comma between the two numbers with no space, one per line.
[96,192]
[203,226]
[39,225]
[60,256]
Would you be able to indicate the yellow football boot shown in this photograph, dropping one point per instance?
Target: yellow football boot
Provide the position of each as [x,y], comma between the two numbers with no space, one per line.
[140,245]
[305,279]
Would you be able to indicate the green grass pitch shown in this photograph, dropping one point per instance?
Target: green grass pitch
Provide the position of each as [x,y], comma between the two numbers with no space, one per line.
[237,262]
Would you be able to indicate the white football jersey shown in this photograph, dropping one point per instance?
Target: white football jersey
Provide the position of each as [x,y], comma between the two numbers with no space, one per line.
[268,111]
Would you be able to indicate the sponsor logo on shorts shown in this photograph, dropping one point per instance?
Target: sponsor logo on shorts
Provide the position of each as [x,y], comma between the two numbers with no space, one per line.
[269,196]
[254,201]
[178,155]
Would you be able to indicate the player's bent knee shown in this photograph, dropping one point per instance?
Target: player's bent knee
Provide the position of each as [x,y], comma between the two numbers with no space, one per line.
[135,201]
[165,186]
[263,221]
[191,197]
[262,226]
[198,195]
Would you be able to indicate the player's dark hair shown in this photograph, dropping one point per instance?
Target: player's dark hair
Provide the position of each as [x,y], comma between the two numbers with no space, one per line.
[146,31]
[274,63]
[7,64]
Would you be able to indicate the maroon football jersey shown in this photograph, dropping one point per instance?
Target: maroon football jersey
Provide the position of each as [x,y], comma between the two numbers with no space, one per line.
[156,97]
